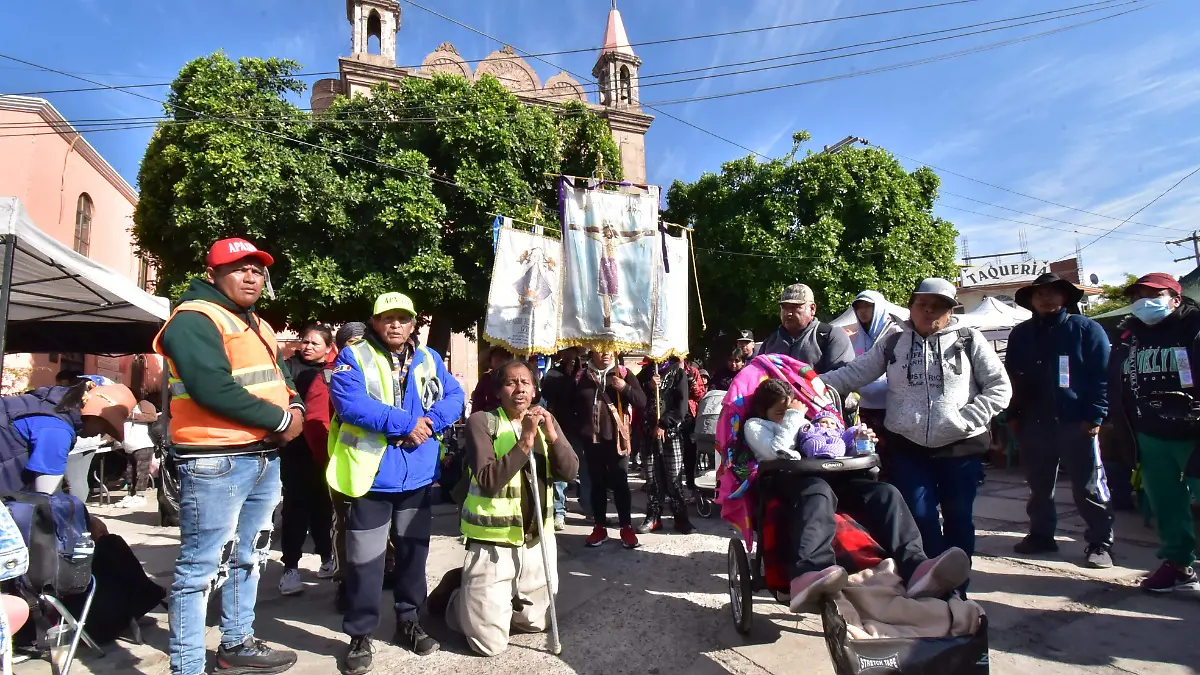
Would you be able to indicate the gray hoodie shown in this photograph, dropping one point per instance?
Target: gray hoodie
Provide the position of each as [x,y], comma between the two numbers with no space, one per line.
[937,395]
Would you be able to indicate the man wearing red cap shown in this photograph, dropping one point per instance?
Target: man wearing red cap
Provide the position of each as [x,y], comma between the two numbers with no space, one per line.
[233,405]
[1155,404]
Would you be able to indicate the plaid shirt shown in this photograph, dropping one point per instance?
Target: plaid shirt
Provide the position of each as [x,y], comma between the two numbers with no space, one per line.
[401,362]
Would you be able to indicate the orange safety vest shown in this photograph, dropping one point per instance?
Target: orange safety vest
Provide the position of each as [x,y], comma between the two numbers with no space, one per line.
[253,359]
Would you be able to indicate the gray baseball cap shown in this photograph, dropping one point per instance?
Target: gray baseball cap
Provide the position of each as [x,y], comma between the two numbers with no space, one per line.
[797,294]
[938,287]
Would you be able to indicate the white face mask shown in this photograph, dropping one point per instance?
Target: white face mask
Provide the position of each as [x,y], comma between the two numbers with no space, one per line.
[1151,311]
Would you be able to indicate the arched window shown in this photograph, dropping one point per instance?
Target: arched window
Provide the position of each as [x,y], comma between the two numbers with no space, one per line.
[83,224]
[626,86]
[374,33]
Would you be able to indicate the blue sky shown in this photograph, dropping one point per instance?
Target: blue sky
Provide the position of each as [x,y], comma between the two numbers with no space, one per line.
[1101,118]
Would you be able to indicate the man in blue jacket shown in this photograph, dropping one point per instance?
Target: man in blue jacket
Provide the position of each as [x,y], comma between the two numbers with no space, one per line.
[1058,364]
[393,398]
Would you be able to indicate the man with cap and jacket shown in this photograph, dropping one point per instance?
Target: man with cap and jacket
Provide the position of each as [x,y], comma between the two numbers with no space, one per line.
[1058,364]
[745,342]
[804,337]
[233,405]
[393,397]
[1154,404]
[945,384]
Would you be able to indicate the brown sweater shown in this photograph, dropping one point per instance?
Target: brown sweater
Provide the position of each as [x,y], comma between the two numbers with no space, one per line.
[492,473]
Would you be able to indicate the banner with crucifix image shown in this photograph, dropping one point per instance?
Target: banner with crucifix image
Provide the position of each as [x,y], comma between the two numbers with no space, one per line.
[524,298]
[610,238]
[670,329]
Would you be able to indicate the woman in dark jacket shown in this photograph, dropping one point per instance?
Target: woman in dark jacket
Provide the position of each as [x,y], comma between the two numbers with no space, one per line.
[606,393]
[667,382]
[306,503]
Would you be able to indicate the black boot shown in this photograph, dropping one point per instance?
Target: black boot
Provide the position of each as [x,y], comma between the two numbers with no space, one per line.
[253,656]
[359,657]
[1031,545]
[439,597]
[412,637]
[652,523]
[683,524]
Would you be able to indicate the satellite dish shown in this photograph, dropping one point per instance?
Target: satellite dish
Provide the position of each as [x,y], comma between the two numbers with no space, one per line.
[1095,280]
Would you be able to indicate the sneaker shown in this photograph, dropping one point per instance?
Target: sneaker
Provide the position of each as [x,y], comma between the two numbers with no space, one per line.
[412,637]
[1031,545]
[938,576]
[1171,577]
[650,524]
[290,583]
[810,587]
[252,657]
[439,597]
[629,537]
[597,537]
[327,568]
[1098,556]
[560,523]
[359,656]
[131,502]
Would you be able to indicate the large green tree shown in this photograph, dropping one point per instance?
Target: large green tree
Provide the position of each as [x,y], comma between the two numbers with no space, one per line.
[392,191]
[840,222]
[1112,297]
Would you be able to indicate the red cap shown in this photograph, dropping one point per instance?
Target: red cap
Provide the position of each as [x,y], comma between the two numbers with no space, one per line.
[1158,280]
[231,250]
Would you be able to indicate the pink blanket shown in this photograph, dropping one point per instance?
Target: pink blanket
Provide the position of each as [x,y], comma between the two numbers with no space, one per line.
[739,468]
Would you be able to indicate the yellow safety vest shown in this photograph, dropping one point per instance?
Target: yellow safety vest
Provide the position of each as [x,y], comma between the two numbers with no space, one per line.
[498,519]
[355,453]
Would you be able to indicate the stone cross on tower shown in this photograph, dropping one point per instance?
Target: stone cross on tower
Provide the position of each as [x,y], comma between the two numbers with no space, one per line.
[373,18]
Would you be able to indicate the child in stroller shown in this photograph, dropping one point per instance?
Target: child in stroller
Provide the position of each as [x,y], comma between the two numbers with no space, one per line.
[776,417]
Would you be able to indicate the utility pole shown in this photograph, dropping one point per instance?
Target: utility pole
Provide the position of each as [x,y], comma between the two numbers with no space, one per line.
[844,143]
[1195,239]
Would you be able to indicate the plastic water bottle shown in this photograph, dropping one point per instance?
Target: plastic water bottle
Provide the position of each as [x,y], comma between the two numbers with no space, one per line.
[863,445]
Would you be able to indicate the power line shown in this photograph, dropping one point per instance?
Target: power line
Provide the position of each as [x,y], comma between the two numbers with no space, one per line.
[1037,215]
[1047,227]
[1148,205]
[903,65]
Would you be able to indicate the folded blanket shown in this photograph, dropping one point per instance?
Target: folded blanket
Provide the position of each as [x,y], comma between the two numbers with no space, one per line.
[874,605]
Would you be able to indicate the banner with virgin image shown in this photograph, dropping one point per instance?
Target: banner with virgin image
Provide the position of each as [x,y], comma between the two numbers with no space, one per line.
[524,297]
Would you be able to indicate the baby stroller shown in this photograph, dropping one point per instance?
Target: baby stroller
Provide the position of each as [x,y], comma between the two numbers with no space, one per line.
[705,436]
[755,559]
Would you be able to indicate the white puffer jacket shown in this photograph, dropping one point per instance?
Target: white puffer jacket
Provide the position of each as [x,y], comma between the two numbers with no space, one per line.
[940,391]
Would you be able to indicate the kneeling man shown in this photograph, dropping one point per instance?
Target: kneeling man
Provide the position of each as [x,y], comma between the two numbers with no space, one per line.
[504,584]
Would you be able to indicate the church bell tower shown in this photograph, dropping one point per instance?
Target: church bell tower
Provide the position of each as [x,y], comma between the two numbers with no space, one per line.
[378,19]
[616,70]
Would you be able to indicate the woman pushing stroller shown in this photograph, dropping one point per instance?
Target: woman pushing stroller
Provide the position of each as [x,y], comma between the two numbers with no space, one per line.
[777,427]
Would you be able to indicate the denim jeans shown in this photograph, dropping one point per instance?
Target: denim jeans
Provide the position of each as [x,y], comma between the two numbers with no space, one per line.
[560,498]
[223,545]
[929,482]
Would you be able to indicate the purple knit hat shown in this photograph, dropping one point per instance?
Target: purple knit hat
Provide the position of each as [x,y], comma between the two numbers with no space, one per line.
[827,414]
[826,443]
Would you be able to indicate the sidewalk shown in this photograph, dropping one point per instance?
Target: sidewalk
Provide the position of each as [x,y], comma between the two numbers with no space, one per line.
[664,608]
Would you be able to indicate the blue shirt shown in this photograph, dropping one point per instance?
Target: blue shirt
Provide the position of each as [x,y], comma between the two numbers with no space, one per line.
[50,440]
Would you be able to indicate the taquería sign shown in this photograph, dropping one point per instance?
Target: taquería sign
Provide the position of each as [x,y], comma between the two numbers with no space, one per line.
[1008,273]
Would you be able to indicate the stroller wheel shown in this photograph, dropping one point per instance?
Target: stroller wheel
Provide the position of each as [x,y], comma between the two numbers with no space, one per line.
[741,594]
[704,506]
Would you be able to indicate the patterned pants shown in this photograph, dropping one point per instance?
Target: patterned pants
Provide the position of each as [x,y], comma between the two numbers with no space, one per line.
[665,475]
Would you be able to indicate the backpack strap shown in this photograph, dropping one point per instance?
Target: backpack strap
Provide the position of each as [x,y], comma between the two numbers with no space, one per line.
[889,347]
[493,424]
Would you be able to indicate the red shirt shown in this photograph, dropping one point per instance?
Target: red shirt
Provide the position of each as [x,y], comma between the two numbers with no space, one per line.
[318,410]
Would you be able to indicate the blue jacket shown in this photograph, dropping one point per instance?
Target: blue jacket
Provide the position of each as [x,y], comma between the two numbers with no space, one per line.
[1034,351]
[34,436]
[402,469]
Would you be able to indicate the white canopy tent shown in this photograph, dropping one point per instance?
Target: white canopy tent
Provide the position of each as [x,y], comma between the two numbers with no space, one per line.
[847,317]
[993,315]
[56,300]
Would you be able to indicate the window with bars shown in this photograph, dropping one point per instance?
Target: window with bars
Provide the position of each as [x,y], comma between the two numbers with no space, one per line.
[83,224]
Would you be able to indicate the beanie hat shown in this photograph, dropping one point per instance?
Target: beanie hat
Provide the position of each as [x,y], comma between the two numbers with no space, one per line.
[349,331]
[827,415]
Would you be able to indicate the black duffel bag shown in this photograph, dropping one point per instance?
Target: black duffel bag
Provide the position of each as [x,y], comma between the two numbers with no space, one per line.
[965,655]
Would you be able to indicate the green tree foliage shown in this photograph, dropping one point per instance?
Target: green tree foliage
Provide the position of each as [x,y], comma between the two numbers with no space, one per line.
[841,223]
[1112,297]
[389,192]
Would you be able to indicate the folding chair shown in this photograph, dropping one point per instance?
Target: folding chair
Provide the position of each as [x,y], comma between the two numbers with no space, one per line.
[68,625]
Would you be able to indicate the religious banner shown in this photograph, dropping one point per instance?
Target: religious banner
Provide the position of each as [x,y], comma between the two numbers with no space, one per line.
[609,242]
[670,331]
[524,298]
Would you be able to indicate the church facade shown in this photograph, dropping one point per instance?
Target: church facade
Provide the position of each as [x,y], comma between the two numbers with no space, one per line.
[615,73]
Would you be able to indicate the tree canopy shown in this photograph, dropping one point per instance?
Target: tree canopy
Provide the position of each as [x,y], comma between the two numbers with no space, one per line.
[842,223]
[394,191]
[1111,297]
